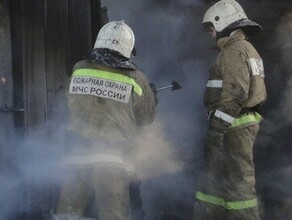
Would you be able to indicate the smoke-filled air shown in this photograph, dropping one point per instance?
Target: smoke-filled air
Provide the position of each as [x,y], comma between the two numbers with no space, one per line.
[168,154]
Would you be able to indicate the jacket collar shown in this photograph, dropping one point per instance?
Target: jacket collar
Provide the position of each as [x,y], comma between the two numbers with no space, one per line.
[110,58]
[234,36]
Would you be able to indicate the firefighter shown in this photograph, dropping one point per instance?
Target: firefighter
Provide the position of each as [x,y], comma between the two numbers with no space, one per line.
[233,97]
[109,99]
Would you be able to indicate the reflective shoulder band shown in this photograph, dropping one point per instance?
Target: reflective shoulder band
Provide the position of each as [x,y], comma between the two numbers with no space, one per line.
[215,83]
[237,205]
[224,116]
[251,117]
[110,76]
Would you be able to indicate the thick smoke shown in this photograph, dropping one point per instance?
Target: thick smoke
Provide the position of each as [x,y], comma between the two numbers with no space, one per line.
[284,42]
[170,46]
[30,183]
[274,180]
[168,35]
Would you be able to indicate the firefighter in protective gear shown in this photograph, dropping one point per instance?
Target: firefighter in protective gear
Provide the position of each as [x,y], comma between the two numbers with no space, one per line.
[108,100]
[234,94]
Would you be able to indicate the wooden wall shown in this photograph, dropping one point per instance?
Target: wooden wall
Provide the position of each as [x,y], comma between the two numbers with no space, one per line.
[40,41]
[49,36]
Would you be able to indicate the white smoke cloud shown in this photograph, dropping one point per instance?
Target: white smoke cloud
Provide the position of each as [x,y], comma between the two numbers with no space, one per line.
[170,46]
[154,155]
[168,146]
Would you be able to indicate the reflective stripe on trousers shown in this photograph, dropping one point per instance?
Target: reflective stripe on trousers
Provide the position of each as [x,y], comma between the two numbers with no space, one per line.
[252,117]
[235,205]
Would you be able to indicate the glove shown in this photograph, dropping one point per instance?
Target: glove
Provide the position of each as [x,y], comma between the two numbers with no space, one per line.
[153,88]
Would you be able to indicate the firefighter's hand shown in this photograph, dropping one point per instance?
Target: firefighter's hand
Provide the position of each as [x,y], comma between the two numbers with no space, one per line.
[214,137]
[218,124]
[153,89]
[214,148]
[216,132]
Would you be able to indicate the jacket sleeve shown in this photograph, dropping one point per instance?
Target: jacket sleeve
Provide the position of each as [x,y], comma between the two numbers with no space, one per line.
[236,79]
[144,105]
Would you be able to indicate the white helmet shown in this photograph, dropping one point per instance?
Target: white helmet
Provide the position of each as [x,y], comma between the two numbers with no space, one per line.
[117,36]
[224,13]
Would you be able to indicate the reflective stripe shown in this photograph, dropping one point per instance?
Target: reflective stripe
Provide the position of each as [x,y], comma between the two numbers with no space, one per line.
[215,83]
[245,204]
[224,116]
[111,76]
[210,199]
[98,158]
[250,117]
[257,67]
[241,204]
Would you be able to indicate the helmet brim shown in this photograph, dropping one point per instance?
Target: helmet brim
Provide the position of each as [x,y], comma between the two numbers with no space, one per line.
[250,27]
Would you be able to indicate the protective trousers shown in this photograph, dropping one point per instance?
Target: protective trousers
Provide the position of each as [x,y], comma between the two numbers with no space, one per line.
[109,185]
[226,188]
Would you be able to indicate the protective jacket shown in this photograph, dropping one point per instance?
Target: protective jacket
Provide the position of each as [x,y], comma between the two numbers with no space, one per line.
[108,103]
[236,81]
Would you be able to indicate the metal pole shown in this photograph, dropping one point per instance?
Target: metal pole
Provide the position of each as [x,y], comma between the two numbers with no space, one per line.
[164,87]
